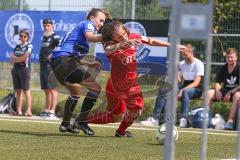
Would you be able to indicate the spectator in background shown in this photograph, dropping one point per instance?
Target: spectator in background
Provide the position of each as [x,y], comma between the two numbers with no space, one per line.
[226,86]
[50,40]
[191,71]
[157,117]
[21,72]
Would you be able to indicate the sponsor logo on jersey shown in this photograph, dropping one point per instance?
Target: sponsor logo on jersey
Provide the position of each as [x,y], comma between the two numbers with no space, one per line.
[232,82]
[14,25]
[90,27]
[142,50]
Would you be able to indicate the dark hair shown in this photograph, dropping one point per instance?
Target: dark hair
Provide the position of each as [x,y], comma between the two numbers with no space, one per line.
[47,21]
[94,12]
[25,31]
[109,29]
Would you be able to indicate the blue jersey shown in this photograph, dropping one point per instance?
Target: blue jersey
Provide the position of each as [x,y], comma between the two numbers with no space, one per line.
[75,42]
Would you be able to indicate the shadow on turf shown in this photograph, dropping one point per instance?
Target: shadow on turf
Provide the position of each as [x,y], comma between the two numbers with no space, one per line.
[52,134]
[153,144]
[37,133]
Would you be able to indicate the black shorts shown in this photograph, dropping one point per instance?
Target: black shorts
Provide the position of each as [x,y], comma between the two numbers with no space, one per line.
[68,69]
[45,78]
[21,78]
[224,92]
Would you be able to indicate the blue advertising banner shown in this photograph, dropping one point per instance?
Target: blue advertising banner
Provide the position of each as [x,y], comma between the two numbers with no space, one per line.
[146,54]
[12,22]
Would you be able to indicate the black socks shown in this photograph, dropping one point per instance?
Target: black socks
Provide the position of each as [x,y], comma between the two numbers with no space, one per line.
[87,105]
[69,108]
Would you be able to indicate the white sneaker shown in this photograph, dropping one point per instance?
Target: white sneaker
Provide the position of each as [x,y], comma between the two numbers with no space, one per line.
[218,122]
[51,116]
[150,122]
[183,123]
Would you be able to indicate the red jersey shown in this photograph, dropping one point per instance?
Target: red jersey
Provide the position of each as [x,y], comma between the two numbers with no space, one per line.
[124,66]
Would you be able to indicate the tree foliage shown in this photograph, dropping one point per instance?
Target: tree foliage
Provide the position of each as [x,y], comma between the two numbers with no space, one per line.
[144,9]
[9,4]
[150,9]
[12,5]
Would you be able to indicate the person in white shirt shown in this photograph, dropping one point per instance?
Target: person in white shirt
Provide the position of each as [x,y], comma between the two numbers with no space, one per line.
[191,72]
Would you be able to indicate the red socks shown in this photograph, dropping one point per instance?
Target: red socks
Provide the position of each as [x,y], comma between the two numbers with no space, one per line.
[127,121]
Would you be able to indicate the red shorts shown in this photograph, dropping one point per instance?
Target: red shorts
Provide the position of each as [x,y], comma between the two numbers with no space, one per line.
[118,104]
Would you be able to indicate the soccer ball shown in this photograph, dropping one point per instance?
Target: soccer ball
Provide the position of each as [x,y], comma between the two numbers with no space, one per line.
[161,133]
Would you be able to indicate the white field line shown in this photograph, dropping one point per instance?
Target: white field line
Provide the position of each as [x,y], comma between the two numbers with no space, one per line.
[135,126]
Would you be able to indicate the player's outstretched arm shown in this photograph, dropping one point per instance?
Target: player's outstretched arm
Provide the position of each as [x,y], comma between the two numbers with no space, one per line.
[110,47]
[90,36]
[157,42]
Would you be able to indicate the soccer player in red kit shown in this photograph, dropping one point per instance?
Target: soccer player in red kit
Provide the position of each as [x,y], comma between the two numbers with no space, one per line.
[124,96]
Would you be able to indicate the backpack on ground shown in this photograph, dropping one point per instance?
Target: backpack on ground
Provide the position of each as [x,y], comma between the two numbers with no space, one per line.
[8,104]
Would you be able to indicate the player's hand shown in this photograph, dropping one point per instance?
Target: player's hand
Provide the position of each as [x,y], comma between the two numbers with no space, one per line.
[95,65]
[49,57]
[179,94]
[183,48]
[219,96]
[227,97]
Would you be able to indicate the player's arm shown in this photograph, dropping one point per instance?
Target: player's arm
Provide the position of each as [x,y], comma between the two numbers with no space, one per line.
[154,42]
[23,58]
[157,42]
[180,78]
[218,92]
[110,47]
[195,83]
[90,36]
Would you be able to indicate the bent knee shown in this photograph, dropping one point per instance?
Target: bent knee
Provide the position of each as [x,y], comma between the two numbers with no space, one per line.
[118,117]
[136,113]
[93,86]
[236,95]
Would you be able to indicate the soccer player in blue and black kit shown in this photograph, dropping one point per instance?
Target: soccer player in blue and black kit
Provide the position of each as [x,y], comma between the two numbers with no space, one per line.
[69,68]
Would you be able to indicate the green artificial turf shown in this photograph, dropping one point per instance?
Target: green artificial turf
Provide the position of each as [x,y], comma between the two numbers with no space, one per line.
[40,140]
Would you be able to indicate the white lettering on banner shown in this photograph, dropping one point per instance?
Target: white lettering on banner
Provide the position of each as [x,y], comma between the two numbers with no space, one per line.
[60,26]
[8,54]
